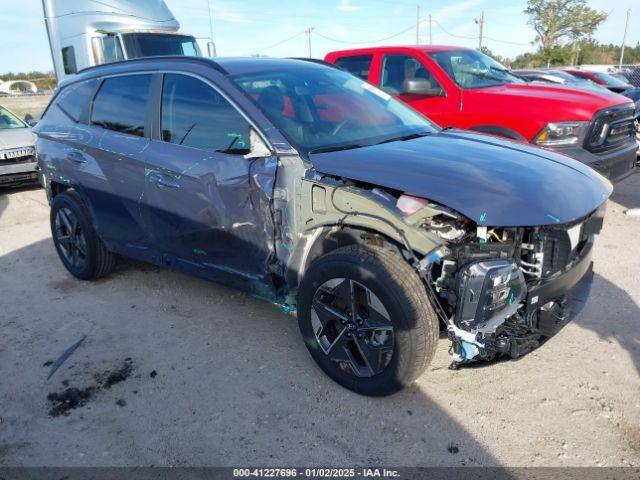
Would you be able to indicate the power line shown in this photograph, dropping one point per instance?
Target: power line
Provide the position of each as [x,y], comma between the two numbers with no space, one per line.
[412,27]
[281,42]
[507,42]
[429,19]
[452,34]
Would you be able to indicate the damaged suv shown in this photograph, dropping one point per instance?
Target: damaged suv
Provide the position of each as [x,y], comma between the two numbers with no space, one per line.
[304,185]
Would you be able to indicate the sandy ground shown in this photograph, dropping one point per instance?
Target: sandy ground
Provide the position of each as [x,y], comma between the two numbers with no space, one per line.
[21,105]
[220,378]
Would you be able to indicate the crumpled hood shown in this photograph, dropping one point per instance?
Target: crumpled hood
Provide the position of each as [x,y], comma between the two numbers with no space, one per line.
[492,181]
[16,138]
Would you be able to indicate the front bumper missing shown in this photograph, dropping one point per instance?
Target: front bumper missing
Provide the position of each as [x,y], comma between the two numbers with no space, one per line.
[546,309]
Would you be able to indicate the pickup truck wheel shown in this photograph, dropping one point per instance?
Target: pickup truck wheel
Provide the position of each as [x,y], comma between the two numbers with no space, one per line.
[76,241]
[366,319]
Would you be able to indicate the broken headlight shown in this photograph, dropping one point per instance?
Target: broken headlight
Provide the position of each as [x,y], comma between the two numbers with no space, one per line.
[562,134]
[489,293]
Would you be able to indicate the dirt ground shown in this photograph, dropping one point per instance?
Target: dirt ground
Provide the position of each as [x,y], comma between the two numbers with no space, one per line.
[178,371]
[21,105]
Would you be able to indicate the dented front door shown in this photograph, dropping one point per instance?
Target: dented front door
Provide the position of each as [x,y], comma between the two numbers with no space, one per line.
[207,204]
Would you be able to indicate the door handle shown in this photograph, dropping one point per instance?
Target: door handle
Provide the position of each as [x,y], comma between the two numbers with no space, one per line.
[163,180]
[76,157]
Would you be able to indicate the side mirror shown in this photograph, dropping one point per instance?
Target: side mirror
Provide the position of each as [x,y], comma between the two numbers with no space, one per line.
[421,87]
[29,120]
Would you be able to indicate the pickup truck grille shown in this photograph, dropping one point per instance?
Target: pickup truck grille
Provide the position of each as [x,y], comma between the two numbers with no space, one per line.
[17,155]
[611,128]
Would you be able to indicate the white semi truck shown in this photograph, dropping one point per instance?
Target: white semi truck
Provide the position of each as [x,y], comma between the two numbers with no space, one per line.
[83,33]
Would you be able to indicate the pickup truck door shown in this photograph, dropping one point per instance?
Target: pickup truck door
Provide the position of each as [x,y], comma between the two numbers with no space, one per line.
[395,68]
[207,205]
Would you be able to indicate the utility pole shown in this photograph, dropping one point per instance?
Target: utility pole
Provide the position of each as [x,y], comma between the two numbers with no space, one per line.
[211,46]
[480,22]
[430,30]
[418,25]
[624,37]
[308,32]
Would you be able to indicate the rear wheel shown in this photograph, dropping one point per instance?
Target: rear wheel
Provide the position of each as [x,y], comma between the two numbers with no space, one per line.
[366,319]
[76,241]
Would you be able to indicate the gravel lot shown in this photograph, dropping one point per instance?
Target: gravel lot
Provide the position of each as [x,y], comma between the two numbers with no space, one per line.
[23,104]
[180,371]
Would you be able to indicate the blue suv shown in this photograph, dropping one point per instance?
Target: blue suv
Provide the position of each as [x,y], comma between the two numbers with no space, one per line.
[309,187]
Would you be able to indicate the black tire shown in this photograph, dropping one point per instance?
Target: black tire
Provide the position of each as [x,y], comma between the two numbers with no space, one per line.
[91,260]
[415,326]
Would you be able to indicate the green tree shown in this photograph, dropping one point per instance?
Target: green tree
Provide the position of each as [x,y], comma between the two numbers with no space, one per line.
[497,58]
[558,22]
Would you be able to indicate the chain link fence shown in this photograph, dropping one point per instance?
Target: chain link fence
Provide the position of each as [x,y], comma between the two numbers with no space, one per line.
[631,73]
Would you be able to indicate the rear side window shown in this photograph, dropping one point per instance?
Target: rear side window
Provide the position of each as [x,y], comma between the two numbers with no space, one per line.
[121,104]
[358,65]
[74,100]
[69,60]
[196,115]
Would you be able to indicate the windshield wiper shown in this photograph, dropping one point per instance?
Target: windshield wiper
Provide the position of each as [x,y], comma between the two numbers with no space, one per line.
[404,138]
[336,148]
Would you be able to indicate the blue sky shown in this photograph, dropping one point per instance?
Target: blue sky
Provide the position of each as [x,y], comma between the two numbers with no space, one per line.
[254,26]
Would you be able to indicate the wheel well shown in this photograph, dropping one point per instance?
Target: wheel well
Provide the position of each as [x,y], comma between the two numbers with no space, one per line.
[499,131]
[57,188]
[328,239]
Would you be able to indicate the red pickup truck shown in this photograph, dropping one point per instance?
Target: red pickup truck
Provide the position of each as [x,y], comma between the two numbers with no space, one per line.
[460,87]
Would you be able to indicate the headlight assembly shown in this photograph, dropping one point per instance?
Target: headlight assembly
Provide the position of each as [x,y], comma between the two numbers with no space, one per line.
[562,134]
[489,292]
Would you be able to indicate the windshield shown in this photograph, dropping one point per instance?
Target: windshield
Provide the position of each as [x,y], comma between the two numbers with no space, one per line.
[323,109]
[572,80]
[473,69]
[610,80]
[139,45]
[9,120]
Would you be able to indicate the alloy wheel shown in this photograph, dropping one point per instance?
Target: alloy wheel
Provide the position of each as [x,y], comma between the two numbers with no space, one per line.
[352,327]
[70,238]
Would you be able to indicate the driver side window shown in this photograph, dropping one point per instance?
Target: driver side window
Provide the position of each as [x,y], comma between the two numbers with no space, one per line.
[196,115]
[398,68]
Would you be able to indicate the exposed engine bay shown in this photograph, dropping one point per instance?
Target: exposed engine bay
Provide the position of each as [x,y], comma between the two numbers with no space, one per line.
[503,291]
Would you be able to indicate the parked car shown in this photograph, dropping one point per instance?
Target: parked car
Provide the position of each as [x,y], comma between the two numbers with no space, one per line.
[303,184]
[17,153]
[611,82]
[557,77]
[464,88]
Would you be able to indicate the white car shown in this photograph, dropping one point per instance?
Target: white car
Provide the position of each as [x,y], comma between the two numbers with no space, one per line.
[17,152]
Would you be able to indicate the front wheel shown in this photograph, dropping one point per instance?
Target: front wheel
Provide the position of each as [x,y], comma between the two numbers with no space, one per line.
[366,319]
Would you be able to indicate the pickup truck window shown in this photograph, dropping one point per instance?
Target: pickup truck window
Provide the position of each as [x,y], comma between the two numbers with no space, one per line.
[319,109]
[358,65]
[472,69]
[398,68]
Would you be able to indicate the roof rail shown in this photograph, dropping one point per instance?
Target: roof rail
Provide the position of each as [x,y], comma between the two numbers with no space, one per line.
[315,60]
[203,60]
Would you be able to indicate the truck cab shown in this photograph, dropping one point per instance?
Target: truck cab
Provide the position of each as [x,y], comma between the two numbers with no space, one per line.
[463,88]
[83,34]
